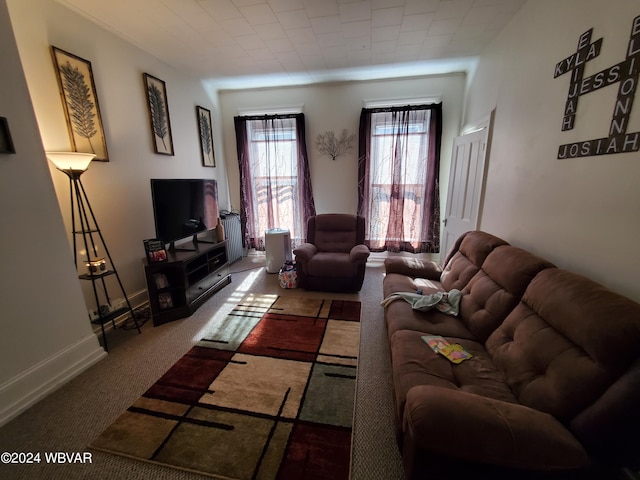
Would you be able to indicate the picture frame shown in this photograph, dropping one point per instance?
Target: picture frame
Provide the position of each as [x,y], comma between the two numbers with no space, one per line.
[80,104]
[155,251]
[6,143]
[205,132]
[159,118]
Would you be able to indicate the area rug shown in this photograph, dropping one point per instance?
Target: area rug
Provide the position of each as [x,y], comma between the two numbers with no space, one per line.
[268,393]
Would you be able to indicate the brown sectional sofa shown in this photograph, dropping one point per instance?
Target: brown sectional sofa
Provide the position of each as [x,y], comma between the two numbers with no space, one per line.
[554,382]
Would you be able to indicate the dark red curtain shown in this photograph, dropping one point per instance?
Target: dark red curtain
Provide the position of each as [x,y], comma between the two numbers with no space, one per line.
[275,184]
[398,177]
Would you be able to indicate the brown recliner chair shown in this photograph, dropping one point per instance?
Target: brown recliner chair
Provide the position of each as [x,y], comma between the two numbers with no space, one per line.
[334,257]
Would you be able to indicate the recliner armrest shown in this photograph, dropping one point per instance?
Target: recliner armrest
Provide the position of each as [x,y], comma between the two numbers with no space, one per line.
[481,429]
[305,251]
[413,267]
[359,254]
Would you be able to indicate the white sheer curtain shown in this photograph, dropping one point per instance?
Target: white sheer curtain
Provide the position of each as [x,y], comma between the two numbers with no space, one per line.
[398,177]
[275,183]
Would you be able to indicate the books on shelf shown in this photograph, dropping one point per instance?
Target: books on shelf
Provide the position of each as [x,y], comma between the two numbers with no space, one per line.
[453,352]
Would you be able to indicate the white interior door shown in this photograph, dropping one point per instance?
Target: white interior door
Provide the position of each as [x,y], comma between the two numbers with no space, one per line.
[466,181]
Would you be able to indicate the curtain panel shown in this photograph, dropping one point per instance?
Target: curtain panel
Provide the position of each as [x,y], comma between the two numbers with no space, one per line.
[398,177]
[275,184]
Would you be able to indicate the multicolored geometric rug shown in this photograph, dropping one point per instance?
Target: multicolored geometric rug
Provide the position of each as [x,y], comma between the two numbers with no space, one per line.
[268,393]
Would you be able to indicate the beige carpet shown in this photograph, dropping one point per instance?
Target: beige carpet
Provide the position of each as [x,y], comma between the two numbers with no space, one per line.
[69,419]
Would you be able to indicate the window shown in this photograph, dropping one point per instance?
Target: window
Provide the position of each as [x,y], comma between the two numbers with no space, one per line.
[398,192]
[274,177]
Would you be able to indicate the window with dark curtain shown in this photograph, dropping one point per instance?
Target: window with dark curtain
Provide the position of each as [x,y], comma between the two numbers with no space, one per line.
[398,171]
[275,185]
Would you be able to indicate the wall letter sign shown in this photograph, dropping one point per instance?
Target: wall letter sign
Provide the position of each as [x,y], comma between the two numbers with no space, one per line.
[625,74]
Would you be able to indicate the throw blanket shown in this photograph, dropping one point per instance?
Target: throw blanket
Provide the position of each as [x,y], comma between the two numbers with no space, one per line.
[446,302]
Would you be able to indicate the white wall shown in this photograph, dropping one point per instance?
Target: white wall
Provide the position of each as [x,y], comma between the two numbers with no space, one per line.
[47,337]
[45,333]
[581,214]
[336,106]
[119,190]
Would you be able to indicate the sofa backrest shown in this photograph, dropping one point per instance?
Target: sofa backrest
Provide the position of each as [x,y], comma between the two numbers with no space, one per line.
[567,347]
[495,290]
[466,258]
[335,232]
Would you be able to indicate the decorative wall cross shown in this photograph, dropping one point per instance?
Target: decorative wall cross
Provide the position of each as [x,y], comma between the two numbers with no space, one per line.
[625,73]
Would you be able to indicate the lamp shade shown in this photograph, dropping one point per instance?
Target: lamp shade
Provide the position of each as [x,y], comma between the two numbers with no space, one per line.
[71,161]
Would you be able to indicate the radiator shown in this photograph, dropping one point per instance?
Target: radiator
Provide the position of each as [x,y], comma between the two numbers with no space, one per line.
[233,234]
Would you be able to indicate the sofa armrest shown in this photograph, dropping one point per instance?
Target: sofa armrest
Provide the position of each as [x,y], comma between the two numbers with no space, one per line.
[305,251]
[463,425]
[413,267]
[359,254]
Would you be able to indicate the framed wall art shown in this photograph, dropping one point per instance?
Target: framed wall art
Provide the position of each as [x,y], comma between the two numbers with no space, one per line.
[6,144]
[80,104]
[206,136]
[159,114]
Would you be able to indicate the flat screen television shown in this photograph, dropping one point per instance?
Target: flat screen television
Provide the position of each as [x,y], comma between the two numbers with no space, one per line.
[183,208]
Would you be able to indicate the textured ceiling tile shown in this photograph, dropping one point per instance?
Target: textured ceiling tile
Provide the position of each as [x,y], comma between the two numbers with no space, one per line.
[375,4]
[220,9]
[293,19]
[444,27]
[285,5]
[453,9]
[384,17]
[352,12]
[356,29]
[329,24]
[220,38]
[324,8]
[415,37]
[270,31]
[330,39]
[245,3]
[421,6]
[302,35]
[258,14]
[420,22]
[386,34]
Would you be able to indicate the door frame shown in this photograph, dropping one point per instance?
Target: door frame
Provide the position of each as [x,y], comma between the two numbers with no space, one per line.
[486,124]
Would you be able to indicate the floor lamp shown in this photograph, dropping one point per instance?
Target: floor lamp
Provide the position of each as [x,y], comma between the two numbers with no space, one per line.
[84,224]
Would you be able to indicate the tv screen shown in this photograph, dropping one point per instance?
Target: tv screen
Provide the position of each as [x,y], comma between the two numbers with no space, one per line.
[184,207]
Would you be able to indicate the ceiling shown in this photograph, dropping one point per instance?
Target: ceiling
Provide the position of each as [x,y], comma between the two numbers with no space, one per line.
[244,43]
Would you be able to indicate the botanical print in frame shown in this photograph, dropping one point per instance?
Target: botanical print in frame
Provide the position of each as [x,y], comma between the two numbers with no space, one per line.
[80,103]
[159,114]
[206,137]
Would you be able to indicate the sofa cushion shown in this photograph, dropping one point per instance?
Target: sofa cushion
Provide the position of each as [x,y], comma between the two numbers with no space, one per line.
[414,363]
[566,342]
[394,282]
[413,267]
[331,264]
[497,288]
[466,262]
[400,316]
[335,232]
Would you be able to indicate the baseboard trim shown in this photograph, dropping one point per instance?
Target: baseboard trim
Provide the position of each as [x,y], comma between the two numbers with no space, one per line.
[29,387]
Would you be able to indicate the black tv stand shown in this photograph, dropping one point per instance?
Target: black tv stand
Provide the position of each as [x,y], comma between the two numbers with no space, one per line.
[182,248]
[173,248]
[197,240]
[178,286]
